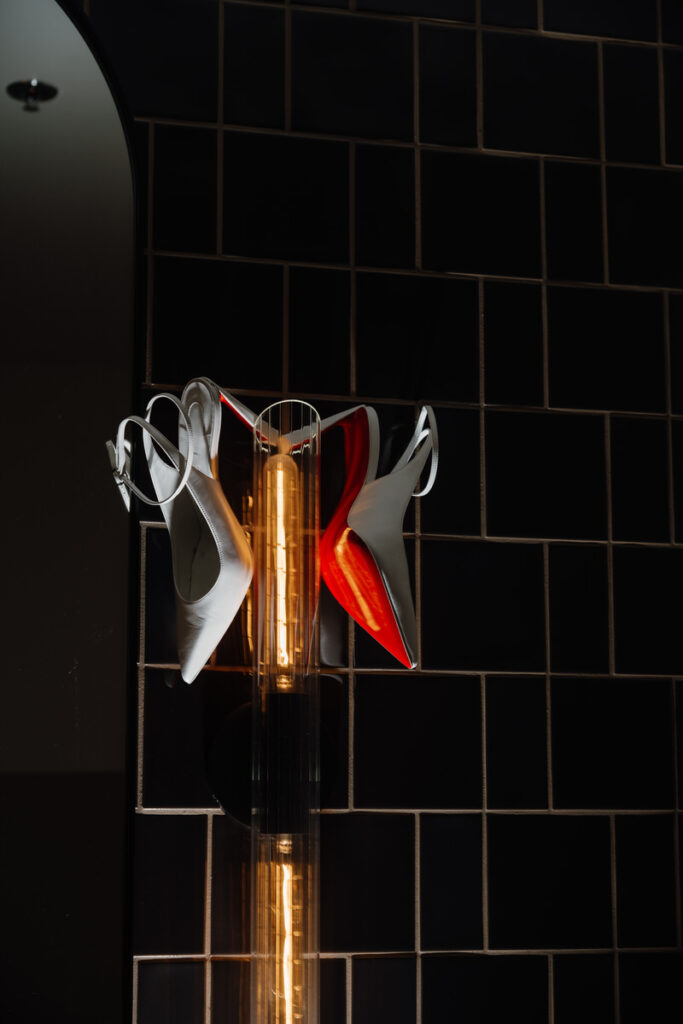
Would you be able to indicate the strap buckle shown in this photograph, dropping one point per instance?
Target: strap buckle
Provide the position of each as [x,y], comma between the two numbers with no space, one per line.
[118,474]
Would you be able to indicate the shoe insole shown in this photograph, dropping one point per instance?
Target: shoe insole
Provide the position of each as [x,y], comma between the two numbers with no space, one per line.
[196,564]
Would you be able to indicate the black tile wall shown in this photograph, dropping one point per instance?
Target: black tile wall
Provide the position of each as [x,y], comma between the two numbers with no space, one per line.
[472,205]
[170,993]
[573,219]
[634,20]
[558,116]
[549,882]
[590,331]
[432,753]
[579,609]
[483,988]
[480,214]
[545,475]
[448,96]
[352,76]
[513,344]
[631,104]
[384,988]
[584,988]
[612,743]
[646,914]
[516,744]
[385,207]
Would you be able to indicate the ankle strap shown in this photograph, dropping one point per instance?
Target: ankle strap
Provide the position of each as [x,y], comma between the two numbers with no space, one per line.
[423,435]
[120,455]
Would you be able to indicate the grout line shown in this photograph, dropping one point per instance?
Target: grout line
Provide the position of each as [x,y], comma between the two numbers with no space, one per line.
[208,910]
[351,685]
[418,989]
[286,285]
[134,1015]
[417,881]
[603,164]
[349,990]
[353,280]
[610,547]
[518,812]
[661,87]
[220,135]
[551,989]
[617,993]
[539,15]
[479,59]
[142,613]
[149,276]
[678,884]
[484,824]
[615,938]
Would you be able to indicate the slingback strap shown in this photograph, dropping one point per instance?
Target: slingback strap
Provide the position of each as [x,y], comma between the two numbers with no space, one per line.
[120,454]
[423,435]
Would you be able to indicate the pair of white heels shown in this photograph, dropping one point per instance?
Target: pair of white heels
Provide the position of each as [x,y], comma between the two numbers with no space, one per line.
[363,556]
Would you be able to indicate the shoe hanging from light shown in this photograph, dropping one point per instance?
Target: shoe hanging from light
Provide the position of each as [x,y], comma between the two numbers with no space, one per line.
[212,559]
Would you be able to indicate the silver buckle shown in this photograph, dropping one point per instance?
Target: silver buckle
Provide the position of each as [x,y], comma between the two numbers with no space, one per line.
[118,479]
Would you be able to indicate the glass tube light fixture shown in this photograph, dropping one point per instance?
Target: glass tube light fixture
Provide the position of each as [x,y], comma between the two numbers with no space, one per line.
[285,776]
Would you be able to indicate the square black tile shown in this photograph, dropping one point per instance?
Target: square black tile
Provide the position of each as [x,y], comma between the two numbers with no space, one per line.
[319,330]
[673,106]
[573,209]
[634,20]
[579,619]
[480,214]
[676,347]
[540,94]
[184,189]
[558,897]
[524,13]
[646,897]
[164,57]
[300,213]
[648,610]
[174,743]
[334,731]
[229,991]
[513,343]
[453,10]
[453,504]
[168,889]
[631,104]
[366,882]
[417,337]
[383,989]
[254,77]
[170,993]
[545,475]
[450,881]
[644,208]
[333,991]
[650,987]
[672,21]
[584,988]
[230,901]
[417,742]
[640,480]
[612,743]
[219,319]
[161,644]
[516,772]
[448,86]
[352,76]
[606,349]
[481,989]
[385,206]
[482,606]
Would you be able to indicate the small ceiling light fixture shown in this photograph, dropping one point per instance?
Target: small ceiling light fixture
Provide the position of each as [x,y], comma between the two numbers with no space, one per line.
[31,92]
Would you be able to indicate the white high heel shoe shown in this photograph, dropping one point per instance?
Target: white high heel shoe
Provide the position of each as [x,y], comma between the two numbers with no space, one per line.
[212,559]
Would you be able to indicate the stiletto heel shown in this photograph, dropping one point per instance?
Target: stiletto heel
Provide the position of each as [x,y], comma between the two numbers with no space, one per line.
[363,558]
[212,559]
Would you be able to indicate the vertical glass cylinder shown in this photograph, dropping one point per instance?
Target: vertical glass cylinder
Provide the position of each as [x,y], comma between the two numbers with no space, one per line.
[285,793]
